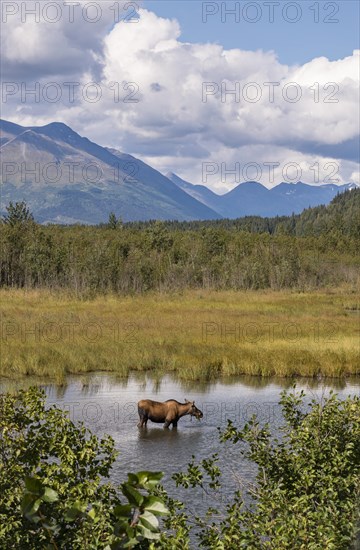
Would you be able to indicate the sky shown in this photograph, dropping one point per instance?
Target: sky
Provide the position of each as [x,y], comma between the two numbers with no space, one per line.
[217,92]
[323,28]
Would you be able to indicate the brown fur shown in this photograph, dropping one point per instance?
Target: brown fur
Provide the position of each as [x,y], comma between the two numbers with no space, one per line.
[168,412]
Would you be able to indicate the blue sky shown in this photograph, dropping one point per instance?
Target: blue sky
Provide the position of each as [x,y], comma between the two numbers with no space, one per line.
[294,43]
[179,65]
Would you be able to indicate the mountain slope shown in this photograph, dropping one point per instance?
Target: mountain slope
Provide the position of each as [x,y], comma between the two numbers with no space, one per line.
[199,192]
[66,178]
[295,197]
[245,199]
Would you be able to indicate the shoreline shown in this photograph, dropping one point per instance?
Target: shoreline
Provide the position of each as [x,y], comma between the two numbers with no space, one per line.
[194,335]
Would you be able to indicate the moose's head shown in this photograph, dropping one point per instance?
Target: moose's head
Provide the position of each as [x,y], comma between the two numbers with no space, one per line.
[194,411]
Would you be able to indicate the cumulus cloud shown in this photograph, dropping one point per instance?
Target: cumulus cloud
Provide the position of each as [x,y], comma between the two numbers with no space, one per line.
[181,105]
[59,38]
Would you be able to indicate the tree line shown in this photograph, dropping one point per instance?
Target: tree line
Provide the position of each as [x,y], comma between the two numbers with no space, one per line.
[342,214]
[316,248]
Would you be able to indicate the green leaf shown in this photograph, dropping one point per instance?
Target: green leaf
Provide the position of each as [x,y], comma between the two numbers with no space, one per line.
[30,505]
[147,534]
[133,496]
[155,505]
[72,514]
[131,543]
[75,511]
[149,480]
[33,485]
[50,495]
[133,479]
[92,513]
[149,521]
[123,510]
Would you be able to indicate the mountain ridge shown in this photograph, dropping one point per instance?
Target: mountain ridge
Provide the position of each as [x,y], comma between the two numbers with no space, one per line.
[254,199]
[66,178]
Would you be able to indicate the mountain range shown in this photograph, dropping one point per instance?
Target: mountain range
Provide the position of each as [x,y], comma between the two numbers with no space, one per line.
[253,199]
[65,178]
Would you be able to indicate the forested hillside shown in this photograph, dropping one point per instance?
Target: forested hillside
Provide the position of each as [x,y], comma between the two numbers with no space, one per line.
[342,215]
[316,248]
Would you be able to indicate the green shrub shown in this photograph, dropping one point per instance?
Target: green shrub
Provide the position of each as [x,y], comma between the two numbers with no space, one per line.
[53,492]
[307,490]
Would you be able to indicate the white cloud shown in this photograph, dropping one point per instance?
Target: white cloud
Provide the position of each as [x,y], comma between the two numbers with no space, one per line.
[355,177]
[41,39]
[173,126]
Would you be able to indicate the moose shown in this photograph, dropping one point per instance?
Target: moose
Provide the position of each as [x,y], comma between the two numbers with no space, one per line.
[168,412]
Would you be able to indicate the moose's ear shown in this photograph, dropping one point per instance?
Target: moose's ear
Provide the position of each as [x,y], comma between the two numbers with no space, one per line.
[193,403]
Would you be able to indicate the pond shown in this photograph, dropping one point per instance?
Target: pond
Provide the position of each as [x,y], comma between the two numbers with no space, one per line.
[108,404]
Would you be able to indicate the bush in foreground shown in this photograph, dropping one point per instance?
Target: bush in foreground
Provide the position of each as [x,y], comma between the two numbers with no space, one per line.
[52,489]
[307,490]
[54,494]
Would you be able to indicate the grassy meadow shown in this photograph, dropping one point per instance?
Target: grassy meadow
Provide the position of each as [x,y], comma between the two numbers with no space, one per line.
[194,334]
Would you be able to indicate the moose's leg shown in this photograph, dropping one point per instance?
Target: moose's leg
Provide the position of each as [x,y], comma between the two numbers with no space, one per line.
[143,418]
[143,422]
[167,422]
[175,423]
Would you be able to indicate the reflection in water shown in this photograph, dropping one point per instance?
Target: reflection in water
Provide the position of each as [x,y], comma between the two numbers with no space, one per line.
[92,384]
[88,389]
[157,385]
[157,434]
[259,382]
[173,435]
[53,391]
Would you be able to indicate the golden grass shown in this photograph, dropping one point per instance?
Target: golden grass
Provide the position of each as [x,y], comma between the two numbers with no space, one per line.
[195,334]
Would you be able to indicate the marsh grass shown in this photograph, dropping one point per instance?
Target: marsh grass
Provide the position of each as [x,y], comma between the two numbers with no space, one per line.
[194,334]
